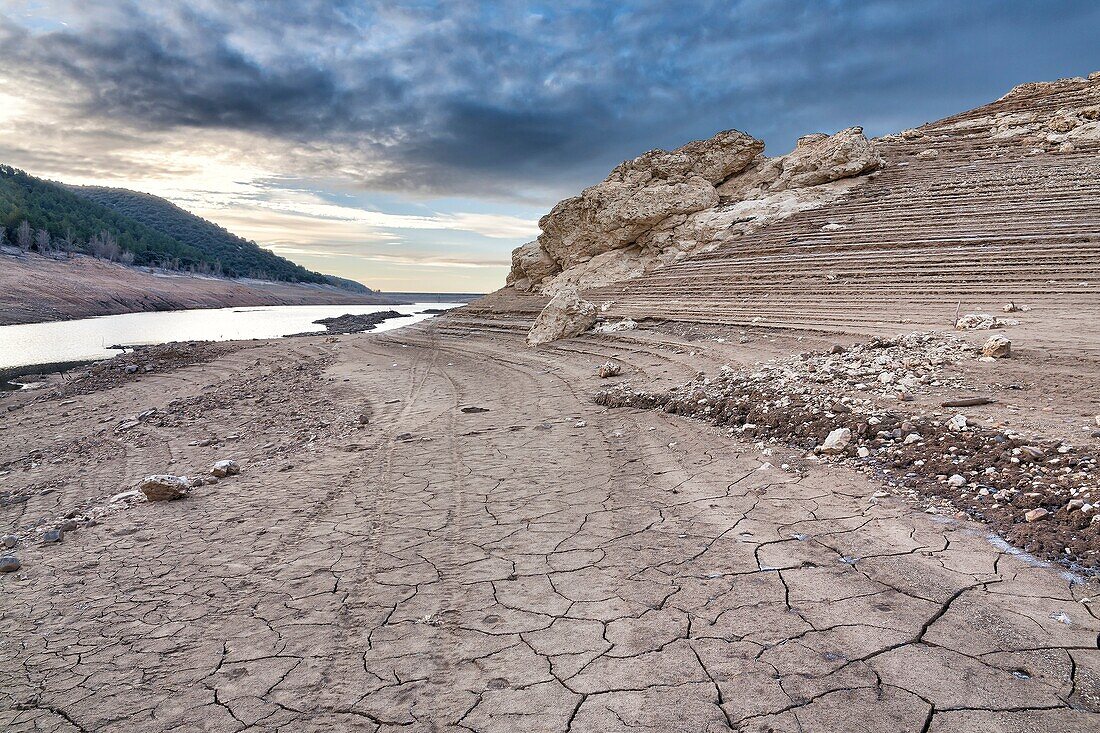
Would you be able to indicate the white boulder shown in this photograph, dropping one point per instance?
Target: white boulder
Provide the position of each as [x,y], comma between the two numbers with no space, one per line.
[565,316]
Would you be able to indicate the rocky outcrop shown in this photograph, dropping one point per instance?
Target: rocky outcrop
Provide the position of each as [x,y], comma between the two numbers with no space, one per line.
[565,316]
[652,210]
[817,159]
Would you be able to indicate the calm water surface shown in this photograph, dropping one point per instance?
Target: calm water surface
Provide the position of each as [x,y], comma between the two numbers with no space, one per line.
[88,338]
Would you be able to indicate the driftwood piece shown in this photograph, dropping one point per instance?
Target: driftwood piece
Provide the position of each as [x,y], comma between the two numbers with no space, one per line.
[968,402]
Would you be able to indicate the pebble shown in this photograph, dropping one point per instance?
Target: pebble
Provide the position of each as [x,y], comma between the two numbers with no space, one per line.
[956,480]
[52,535]
[9,564]
[1036,514]
[9,541]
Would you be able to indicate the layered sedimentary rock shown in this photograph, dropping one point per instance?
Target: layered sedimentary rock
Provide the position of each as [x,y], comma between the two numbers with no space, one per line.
[656,208]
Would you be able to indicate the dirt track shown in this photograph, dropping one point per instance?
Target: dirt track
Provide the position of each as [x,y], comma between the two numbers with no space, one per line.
[545,565]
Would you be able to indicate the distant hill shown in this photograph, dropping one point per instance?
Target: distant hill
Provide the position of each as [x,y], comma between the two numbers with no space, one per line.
[136,228]
[237,256]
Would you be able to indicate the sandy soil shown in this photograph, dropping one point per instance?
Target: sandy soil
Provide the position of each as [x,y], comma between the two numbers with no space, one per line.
[35,289]
[388,559]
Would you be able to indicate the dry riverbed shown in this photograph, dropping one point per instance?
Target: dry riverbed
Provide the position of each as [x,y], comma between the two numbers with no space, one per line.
[436,530]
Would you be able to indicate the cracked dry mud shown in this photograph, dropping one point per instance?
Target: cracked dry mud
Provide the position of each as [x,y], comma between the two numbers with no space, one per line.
[387,560]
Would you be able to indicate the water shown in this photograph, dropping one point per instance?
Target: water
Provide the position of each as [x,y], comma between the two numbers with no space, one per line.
[89,338]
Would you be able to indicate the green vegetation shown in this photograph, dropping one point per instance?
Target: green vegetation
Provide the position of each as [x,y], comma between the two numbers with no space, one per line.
[238,257]
[42,215]
[133,228]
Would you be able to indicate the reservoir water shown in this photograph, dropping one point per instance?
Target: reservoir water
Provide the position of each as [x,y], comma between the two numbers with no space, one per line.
[90,338]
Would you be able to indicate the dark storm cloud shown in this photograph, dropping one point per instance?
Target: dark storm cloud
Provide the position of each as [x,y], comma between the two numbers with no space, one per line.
[461,97]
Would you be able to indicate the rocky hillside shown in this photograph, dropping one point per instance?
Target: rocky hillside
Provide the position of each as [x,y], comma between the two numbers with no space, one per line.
[655,209]
[844,234]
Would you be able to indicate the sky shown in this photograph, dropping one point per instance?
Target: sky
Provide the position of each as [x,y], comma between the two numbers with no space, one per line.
[412,145]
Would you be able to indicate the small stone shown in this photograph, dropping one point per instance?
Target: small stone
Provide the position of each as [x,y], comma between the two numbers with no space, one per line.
[221,469]
[912,438]
[609,369]
[9,564]
[956,480]
[9,541]
[864,451]
[165,487]
[1036,514]
[957,423]
[997,347]
[905,397]
[836,441]
[52,535]
[1031,452]
[69,525]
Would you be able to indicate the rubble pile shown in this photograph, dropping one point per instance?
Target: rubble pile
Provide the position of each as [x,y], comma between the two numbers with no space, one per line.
[140,360]
[831,405]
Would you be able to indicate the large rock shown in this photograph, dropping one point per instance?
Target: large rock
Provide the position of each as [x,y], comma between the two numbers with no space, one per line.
[653,209]
[565,316]
[165,487]
[636,196]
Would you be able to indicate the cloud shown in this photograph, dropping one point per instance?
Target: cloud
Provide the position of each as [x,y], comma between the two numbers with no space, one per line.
[455,96]
[287,121]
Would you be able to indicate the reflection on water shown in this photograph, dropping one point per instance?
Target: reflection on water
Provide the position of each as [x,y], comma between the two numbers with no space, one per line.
[89,338]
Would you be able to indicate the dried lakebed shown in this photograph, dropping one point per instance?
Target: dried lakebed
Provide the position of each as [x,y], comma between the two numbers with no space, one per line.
[390,559]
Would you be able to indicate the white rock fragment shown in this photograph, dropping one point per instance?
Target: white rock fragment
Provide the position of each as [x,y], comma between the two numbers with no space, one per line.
[836,441]
[625,324]
[957,423]
[221,469]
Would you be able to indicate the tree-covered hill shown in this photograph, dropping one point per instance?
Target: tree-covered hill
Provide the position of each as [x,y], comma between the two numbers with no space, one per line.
[134,228]
[238,257]
[77,223]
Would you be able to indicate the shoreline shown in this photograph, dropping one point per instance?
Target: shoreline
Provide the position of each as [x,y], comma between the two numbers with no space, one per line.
[41,290]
